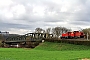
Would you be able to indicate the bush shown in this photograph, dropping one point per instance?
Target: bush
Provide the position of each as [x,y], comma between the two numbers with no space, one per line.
[1,44]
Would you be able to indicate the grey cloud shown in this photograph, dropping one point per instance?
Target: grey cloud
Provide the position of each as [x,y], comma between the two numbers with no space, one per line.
[79,23]
[53,20]
[9,25]
[78,17]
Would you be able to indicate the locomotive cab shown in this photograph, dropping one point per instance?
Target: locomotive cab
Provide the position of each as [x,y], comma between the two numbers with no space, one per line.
[64,35]
[70,35]
[82,35]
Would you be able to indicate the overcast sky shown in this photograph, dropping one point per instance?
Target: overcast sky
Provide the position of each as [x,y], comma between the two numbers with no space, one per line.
[23,16]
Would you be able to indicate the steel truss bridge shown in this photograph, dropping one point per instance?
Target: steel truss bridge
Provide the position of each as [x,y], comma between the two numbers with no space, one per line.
[29,37]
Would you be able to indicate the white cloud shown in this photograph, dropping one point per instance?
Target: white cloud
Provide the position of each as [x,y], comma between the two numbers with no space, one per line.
[18,10]
[38,11]
[19,31]
[5,3]
[43,13]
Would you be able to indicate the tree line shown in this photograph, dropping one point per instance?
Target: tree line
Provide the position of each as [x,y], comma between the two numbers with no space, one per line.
[56,31]
[87,30]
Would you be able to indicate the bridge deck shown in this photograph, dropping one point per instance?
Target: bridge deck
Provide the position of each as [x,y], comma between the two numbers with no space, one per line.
[12,41]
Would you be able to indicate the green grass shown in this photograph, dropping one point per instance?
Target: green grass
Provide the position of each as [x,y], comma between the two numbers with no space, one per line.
[48,46]
[46,51]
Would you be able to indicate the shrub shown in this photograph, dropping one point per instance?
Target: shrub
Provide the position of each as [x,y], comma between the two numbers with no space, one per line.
[1,44]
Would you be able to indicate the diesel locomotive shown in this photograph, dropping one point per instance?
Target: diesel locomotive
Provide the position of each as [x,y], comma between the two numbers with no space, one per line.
[72,35]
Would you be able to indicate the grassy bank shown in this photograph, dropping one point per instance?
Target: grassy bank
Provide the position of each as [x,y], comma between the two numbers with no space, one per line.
[46,51]
[51,46]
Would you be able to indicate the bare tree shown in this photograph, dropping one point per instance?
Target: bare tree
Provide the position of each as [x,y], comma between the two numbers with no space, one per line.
[57,31]
[53,32]
[87,30]
[64,29]
[43,31]
[38,30]
[48,30]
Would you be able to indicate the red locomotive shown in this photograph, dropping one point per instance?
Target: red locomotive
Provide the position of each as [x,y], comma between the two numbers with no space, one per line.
[74,34]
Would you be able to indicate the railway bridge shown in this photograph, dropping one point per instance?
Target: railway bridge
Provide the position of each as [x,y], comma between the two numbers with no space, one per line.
[27,40]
